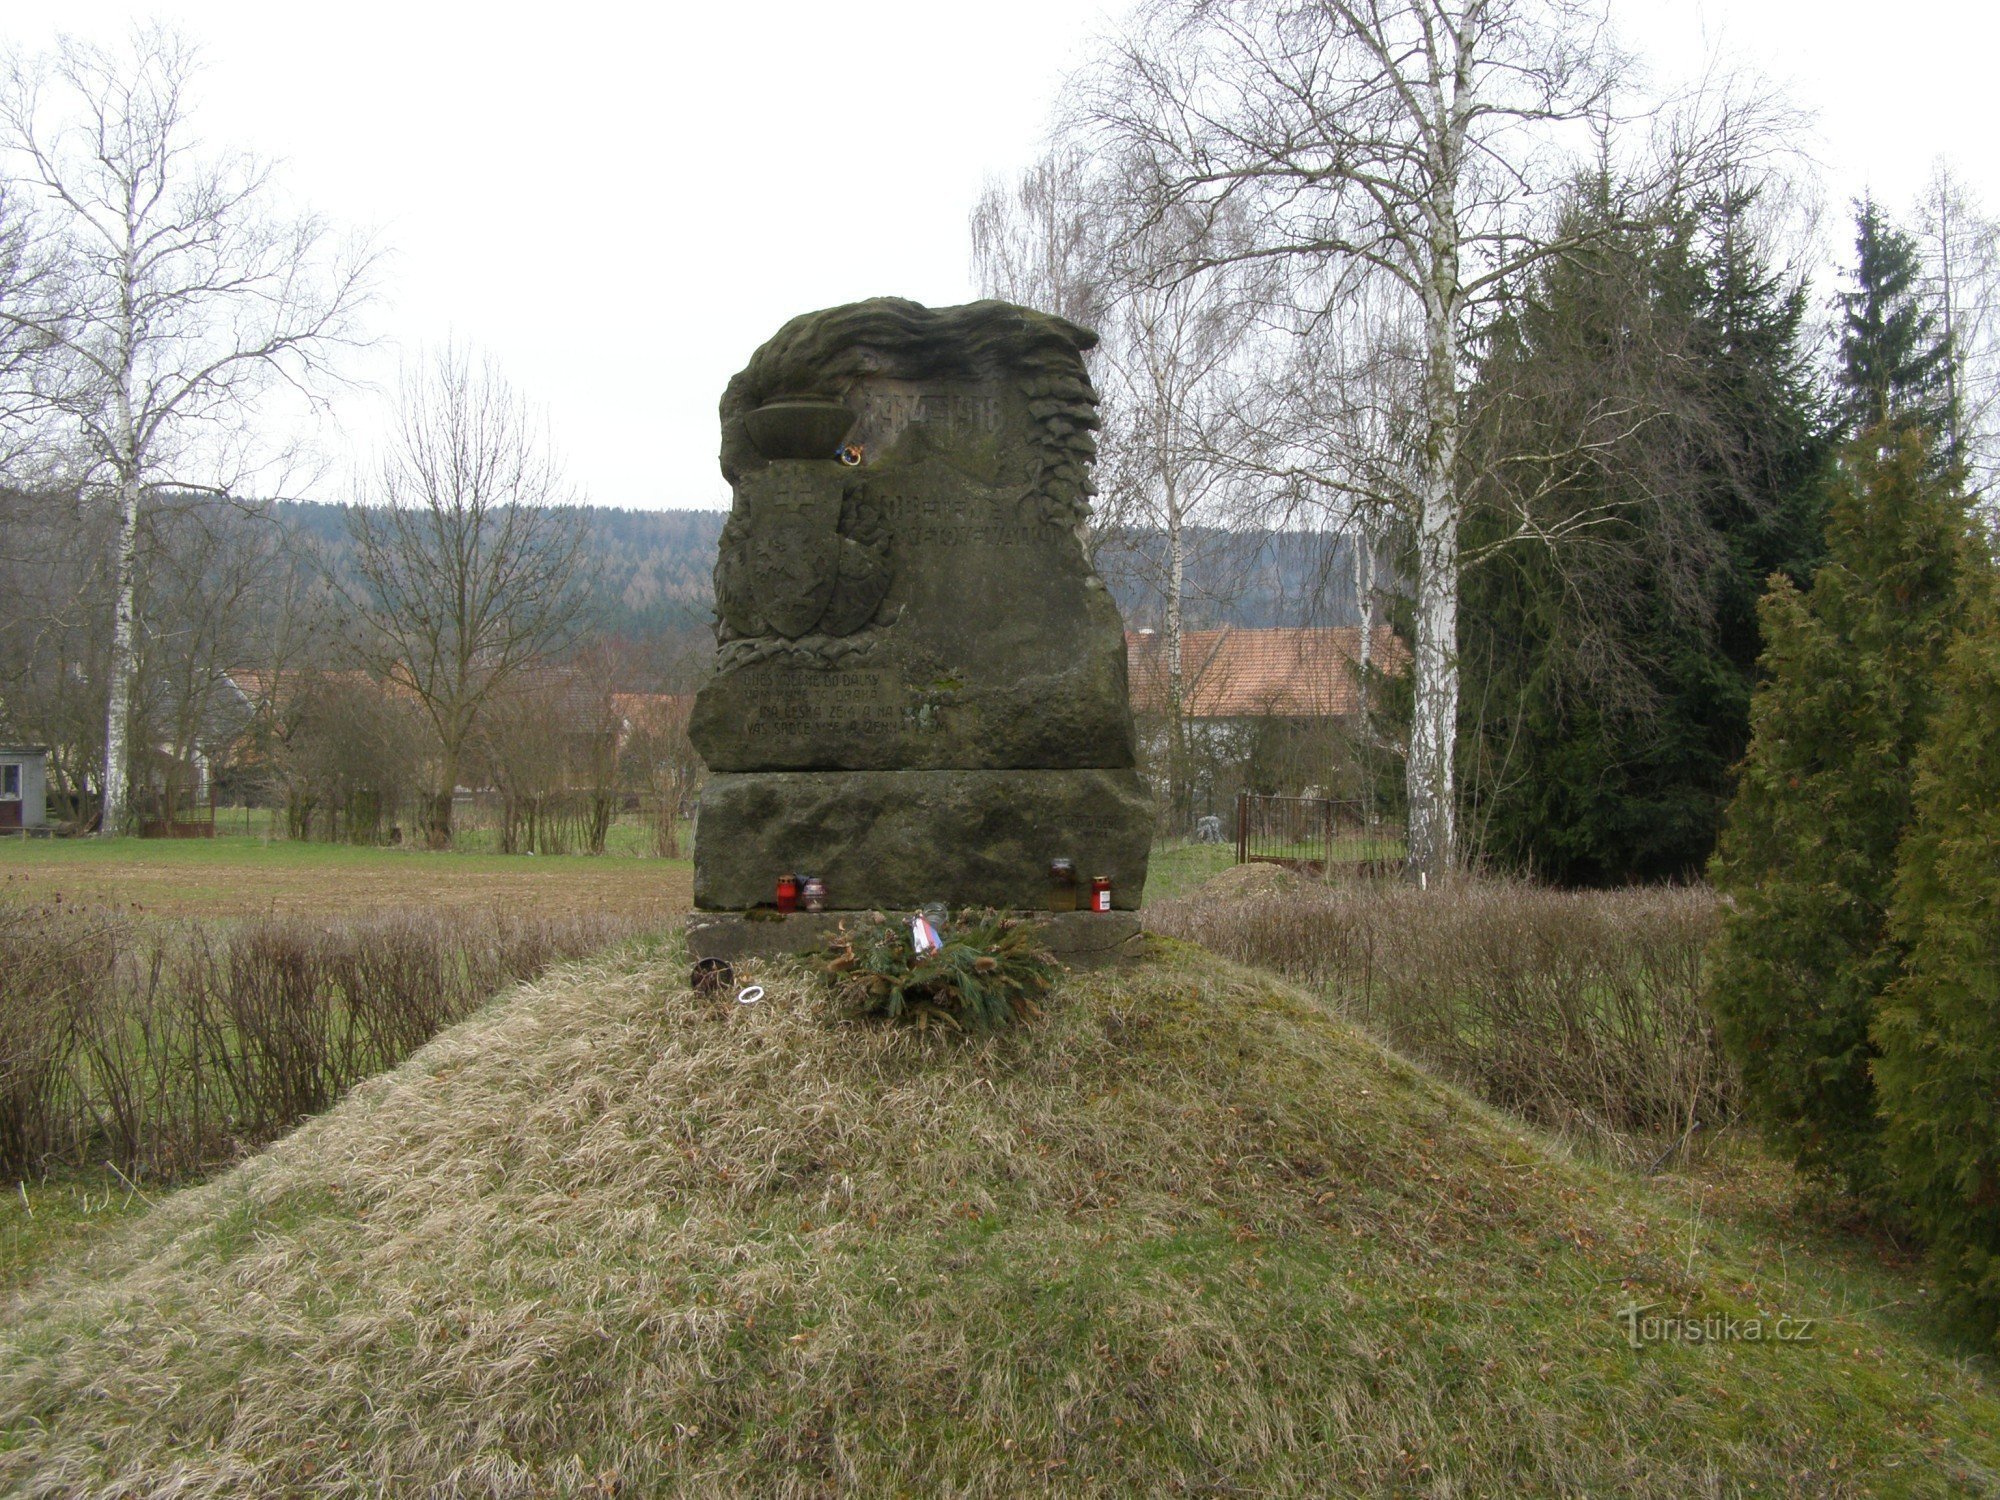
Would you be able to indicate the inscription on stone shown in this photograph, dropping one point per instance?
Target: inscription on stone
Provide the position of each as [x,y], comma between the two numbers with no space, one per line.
[887,409]
[803,701]
[963,520]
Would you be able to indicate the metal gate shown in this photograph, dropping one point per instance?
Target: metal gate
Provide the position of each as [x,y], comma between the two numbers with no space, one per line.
[1312,834]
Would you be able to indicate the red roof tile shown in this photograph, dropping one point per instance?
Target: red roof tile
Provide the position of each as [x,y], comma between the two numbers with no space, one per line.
[1291,673]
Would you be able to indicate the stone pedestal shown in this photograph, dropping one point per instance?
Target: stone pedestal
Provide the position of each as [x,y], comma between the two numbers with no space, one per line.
[897,839]
[1079,939]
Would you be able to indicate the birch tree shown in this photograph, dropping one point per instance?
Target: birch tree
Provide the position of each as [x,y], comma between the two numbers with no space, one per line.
[171,294]
[1407,139]
[1960,245]
[1170,367]
[1043,241]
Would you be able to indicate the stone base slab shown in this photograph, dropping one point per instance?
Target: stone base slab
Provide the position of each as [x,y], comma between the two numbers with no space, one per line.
[897,840]
[1080,939]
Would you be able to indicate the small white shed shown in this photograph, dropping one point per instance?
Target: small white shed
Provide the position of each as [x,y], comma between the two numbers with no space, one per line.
[24,787]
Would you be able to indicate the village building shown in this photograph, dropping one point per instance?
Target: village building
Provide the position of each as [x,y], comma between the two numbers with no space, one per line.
[1273,710]
[24,780]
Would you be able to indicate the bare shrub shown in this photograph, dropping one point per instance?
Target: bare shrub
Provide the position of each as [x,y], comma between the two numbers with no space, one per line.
[167,1047]
[53,968]
[1581,1011]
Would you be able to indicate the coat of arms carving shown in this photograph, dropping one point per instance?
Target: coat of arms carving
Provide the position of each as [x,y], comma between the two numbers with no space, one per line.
[785,568]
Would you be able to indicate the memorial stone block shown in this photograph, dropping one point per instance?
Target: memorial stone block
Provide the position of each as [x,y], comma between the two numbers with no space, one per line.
[919,689]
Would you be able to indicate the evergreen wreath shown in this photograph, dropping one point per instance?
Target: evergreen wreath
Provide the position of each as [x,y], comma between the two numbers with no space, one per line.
[986,974]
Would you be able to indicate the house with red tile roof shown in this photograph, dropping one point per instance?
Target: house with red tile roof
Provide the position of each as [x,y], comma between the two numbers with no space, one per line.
[1273,710]
[1287,673]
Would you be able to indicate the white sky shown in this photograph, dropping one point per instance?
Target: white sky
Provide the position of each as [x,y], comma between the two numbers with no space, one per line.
[621,203]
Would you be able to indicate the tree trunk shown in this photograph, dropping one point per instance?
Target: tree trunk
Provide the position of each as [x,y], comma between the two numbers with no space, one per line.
[1364,600]
[1176,717]
[1433,852]
[437,816]
[124,659]
[600,819]
[1434,718]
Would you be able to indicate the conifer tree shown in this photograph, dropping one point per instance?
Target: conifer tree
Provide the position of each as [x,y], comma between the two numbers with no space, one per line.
[1608,662]
[1938,1076]
[1895,365]
[1807,857]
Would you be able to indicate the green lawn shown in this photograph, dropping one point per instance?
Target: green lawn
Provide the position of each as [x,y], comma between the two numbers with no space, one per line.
[1178,866]
[1355,849]
[247,875]
[48,1223]
[238,874]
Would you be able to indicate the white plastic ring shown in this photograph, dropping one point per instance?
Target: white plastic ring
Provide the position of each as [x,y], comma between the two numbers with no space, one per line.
[750,994]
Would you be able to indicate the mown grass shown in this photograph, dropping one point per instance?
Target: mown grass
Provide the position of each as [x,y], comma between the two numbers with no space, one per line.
[1179,866]
[1193,1233]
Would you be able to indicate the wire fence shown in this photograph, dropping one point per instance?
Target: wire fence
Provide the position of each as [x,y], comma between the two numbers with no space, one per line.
[1314,835]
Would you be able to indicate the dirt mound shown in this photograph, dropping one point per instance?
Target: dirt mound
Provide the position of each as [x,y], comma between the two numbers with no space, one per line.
[1245,882]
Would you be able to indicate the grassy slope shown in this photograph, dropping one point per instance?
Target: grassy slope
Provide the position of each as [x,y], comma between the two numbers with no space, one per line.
[1190,1233]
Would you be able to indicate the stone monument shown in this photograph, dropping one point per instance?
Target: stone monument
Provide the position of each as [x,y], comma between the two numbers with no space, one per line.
[919,690]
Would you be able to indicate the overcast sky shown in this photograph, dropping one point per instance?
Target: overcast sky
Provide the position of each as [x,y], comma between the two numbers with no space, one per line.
[621,203]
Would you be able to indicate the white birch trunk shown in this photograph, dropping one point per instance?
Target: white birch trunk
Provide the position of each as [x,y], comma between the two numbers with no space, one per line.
[1364,599]
[1434,675]
[116,812]
[124,655]
[1364,731]
[117,807]
[1176,723]
[1429,780]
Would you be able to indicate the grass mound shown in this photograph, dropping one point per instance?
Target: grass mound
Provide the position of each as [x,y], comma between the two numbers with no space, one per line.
[1191,1233]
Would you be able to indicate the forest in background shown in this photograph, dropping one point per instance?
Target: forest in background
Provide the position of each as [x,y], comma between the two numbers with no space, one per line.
[648,572]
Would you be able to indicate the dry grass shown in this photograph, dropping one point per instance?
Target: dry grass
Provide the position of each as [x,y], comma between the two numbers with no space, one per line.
[248,877]
[1191,1234]
[161,1048]
[1580,1011]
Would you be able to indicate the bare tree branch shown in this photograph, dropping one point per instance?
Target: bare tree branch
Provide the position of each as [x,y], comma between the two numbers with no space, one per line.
[168,295]
[470,570]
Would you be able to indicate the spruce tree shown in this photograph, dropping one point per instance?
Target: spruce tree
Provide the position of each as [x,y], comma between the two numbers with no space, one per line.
[1895,365]
[1938,1076]
[1608,662]
[1807,856]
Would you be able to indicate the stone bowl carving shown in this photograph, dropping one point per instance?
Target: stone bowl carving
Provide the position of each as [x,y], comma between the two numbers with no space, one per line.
[799,427]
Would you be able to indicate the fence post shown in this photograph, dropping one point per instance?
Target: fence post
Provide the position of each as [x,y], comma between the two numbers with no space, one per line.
[1242,828]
